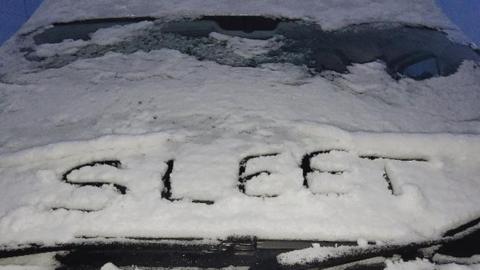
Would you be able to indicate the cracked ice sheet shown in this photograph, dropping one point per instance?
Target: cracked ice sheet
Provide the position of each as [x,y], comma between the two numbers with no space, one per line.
[438,195]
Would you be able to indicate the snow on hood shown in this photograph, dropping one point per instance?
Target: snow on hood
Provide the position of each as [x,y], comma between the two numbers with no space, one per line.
[330,14]
[145,109]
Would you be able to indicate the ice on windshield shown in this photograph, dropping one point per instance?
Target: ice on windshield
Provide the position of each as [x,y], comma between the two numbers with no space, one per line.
[145,36]
[418,53]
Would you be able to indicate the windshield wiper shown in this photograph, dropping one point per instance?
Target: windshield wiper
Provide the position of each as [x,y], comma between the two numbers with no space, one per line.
[93,252]
[458,242]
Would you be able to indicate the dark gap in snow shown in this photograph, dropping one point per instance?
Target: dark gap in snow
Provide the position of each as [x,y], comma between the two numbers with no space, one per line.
[185,241]
[248,177]
[263,196]
[207,202]
[307,167]
[167,184]
[97,238]
[332,172]
[374,157]
[246,24]
[114,163]
[72,209]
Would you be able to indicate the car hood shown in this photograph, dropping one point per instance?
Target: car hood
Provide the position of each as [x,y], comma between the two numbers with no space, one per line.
[278,153]
[161,144]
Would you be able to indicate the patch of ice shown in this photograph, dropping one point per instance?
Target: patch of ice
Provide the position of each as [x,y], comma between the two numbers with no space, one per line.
[66,47]
[248,48]
[115,34]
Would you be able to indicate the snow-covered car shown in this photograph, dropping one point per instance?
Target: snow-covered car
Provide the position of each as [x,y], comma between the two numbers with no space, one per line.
[256,134]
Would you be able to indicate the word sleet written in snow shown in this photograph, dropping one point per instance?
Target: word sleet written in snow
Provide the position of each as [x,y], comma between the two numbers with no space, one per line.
[258,174]
[326,187]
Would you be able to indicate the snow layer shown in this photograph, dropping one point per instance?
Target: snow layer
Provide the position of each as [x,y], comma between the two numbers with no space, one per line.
[316,254]
[320,254]
[431,196]
[440,258]
[420,264]
[44,261]
[145,109]
[109,266]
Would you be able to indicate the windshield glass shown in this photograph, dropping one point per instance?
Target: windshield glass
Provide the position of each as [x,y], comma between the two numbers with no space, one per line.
[414,52]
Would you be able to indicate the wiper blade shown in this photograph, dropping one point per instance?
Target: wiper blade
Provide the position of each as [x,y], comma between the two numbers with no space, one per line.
[458,242]
[93,252]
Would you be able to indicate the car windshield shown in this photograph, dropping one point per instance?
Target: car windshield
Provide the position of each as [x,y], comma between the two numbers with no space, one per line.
[415,52]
